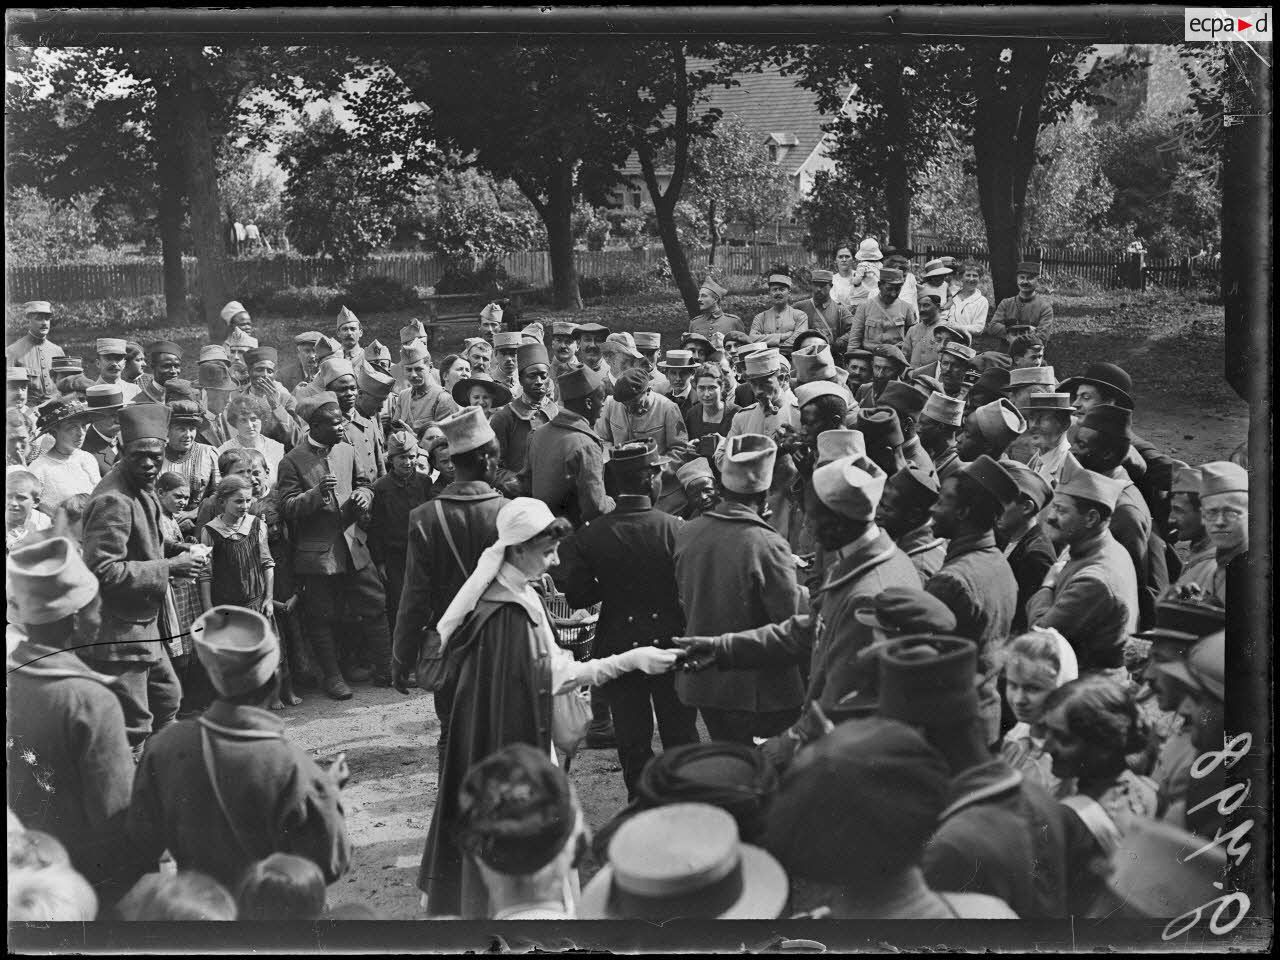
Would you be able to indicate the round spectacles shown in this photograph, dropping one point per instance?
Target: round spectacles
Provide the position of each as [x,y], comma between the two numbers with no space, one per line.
[1223,513]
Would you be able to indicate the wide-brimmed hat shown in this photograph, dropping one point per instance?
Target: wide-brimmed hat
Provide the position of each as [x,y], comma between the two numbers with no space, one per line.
[868,249]
[1034,376]
[59,411]
[461,391]
[104,398]
[635,456]
[1185,621]
[684,860]
[1108,376]
[677,360]
[1047,403]
[48,581]
[936,268]
[622,343]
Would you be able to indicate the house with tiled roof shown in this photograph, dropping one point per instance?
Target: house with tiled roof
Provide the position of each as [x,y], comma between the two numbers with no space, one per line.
[784,117]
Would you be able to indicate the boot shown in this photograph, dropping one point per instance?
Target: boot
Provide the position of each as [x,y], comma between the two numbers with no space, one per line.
[600,735]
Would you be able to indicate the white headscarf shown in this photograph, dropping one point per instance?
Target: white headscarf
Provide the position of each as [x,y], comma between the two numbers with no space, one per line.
[1068,666]
[518,522]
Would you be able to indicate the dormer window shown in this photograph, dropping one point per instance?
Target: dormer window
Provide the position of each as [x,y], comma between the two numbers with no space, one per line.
[779,145]
[773,152]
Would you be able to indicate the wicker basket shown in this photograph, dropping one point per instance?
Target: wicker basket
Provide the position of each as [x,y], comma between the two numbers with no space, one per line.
[575,629]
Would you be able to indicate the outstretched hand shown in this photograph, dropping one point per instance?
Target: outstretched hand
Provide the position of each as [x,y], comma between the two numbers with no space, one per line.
[699,652]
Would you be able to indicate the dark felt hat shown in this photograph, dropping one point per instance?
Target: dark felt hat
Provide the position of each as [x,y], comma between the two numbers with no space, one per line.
[528,354]
[929,680]
[630,385]
[907,610]
[1109,419]
[258,354]
[144,421]
[164,346]
[629,457]
[1109,377]
[880,426]
[179,389]
[914,487]
[581,382]
[185,411]
[994,380]
[992,477]
[1030,484]
[1184,620]
[461,391]
[905,398]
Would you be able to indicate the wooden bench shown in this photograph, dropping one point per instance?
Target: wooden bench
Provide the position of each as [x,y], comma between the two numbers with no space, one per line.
[511,301]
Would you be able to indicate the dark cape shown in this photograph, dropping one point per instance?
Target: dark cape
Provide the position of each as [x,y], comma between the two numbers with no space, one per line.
[501,695]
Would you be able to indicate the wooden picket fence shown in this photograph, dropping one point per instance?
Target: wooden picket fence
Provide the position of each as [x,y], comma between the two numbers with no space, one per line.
[739,266]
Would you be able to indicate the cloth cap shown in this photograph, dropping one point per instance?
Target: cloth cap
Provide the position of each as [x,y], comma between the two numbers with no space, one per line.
[993,380]
[838,444]
[891,785]
[993,478]
[580,382]
[66,365]
[413,352]
[310,405]
[334,368]
[880,426]
[377,351]
[929,680]
[327,347]
[374,382]
[808,392]
[812,362]
[648,340]
[904,398]
[931,297]
[401,441]
[943,409]
[185,411]
[684,860]
[164,346]
[530,353]
[1039,376]
[634,456]
[916,489]
[1160,871]
[467,430]
[48,581]
[1223,476]
[238,338]
[596,329]
[960,351]
[936,268]
[891,275]
[143,421]
[461,391]
[714,288]
[1184,619]
[677,360]
[1109,419]
[1186,480]
[693,470]
[1030,484]
[622,343]
[345,316]
[820,276]
[111,346]
[999,421]
[1093,487]
[232,309]
[868,249]
[37,306]
[850,486]
[748,463]
[534,329]
[907,610]
[1026,266]
[888,351]
[214,353]
[1204,668]
[259,354]
[103,397]
[954,333]
[781,278]
[1047,403]
[411,331]
[563,328]
[307,339]
[1108,376]
[630,385]
[763,363]
[180,389]
[237,647]
[215,376]
[491,311]
[507,340]
[16,375]
[515,810]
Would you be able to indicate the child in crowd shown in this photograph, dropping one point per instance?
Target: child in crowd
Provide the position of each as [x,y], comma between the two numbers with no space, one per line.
[282,888]
[182,605]
[68,520]
[21,516]
[1035,664]
[441,465]
[186,895]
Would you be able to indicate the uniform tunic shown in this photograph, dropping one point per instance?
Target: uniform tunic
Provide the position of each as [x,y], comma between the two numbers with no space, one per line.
[778,327]
[659,421]
[37,357]
[565,469]
[1036,312]
[875,324]
[724,323]
[420,410]
[513,425]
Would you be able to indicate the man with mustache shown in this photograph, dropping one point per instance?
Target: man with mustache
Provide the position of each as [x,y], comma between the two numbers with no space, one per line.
[1186,525]
[1090,595]
[591,338]
[36,351]
[713,319]
[1027,309]
[112,353]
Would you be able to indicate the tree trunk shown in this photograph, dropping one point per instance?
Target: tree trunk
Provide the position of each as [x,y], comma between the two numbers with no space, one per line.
[169,165]
[664,209]
[1006,125]
[715,236]
[897,177]
[557,215]
[202,189]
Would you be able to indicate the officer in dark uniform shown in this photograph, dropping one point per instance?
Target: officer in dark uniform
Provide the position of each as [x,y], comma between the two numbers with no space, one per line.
[625,561]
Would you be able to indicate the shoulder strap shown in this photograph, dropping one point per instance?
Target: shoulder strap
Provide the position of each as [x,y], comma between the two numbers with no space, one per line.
[448,535]
[211,769]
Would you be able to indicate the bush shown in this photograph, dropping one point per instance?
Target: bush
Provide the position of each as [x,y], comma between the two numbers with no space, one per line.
[375,294]
[631,280]
[304,301]
[145,314]
[461,277]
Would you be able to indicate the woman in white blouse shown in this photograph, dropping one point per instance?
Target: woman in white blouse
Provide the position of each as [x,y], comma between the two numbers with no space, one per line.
[64,468]
[968,309]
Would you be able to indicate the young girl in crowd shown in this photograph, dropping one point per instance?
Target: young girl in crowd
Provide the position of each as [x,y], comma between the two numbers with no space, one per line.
[1090,725]
[242,571]
[22,500]
[1035,664]
[182,605]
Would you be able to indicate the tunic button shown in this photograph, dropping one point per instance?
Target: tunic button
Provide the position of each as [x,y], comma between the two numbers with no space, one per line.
[631,619]
[655,616]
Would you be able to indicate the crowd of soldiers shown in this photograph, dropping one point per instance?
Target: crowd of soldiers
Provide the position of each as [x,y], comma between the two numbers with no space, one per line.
[924,630]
